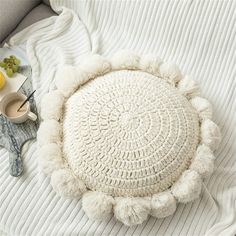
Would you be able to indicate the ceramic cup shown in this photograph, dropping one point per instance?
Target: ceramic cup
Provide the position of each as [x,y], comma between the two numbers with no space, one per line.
[23,116]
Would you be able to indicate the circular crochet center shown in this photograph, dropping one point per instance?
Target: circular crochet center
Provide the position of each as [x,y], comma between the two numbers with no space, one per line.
[129,133]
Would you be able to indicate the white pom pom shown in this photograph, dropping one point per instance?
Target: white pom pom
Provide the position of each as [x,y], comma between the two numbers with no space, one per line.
[131,211]
[50,158]
[170,72]
[97,205]
[49,132]
[203,107]
[82,76]
[188,87]
[163,204]
[125,60]
[150,64]
[188,186]
[203,162]
[95,65]
[51,105]
[66,81]
[66,185]
[210,134]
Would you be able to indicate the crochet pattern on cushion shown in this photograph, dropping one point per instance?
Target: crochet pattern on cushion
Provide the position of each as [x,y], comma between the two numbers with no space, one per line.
[130,135]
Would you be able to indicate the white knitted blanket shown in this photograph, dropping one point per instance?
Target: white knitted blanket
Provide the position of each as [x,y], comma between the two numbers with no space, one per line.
[198,36]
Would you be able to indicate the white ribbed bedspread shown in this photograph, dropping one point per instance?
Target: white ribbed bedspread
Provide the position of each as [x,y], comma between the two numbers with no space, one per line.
[200,37]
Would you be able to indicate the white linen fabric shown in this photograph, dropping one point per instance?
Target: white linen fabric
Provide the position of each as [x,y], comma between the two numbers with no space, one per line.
[197,35]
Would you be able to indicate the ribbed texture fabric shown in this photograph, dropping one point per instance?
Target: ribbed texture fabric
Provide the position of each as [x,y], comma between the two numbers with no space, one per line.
[197,35]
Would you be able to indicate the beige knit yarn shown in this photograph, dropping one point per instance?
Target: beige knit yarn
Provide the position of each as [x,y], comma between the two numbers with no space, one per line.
[130,135]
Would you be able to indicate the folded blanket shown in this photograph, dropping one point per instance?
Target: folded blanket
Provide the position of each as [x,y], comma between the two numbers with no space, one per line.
[197,35]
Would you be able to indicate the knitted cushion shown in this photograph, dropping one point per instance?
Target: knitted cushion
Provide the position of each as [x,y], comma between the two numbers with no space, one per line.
[131,135]
[128,133]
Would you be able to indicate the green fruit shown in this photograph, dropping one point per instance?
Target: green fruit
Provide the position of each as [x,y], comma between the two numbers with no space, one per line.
[15,68]
[11,65]
[17,61]
[9,72]
[2,64]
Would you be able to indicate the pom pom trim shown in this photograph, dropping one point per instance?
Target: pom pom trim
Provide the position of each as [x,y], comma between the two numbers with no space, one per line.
[160,204]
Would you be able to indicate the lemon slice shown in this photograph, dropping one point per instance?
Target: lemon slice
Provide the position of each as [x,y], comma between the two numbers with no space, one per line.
[2,80]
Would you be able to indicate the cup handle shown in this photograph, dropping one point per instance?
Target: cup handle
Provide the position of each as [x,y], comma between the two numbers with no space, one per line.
[32,116]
